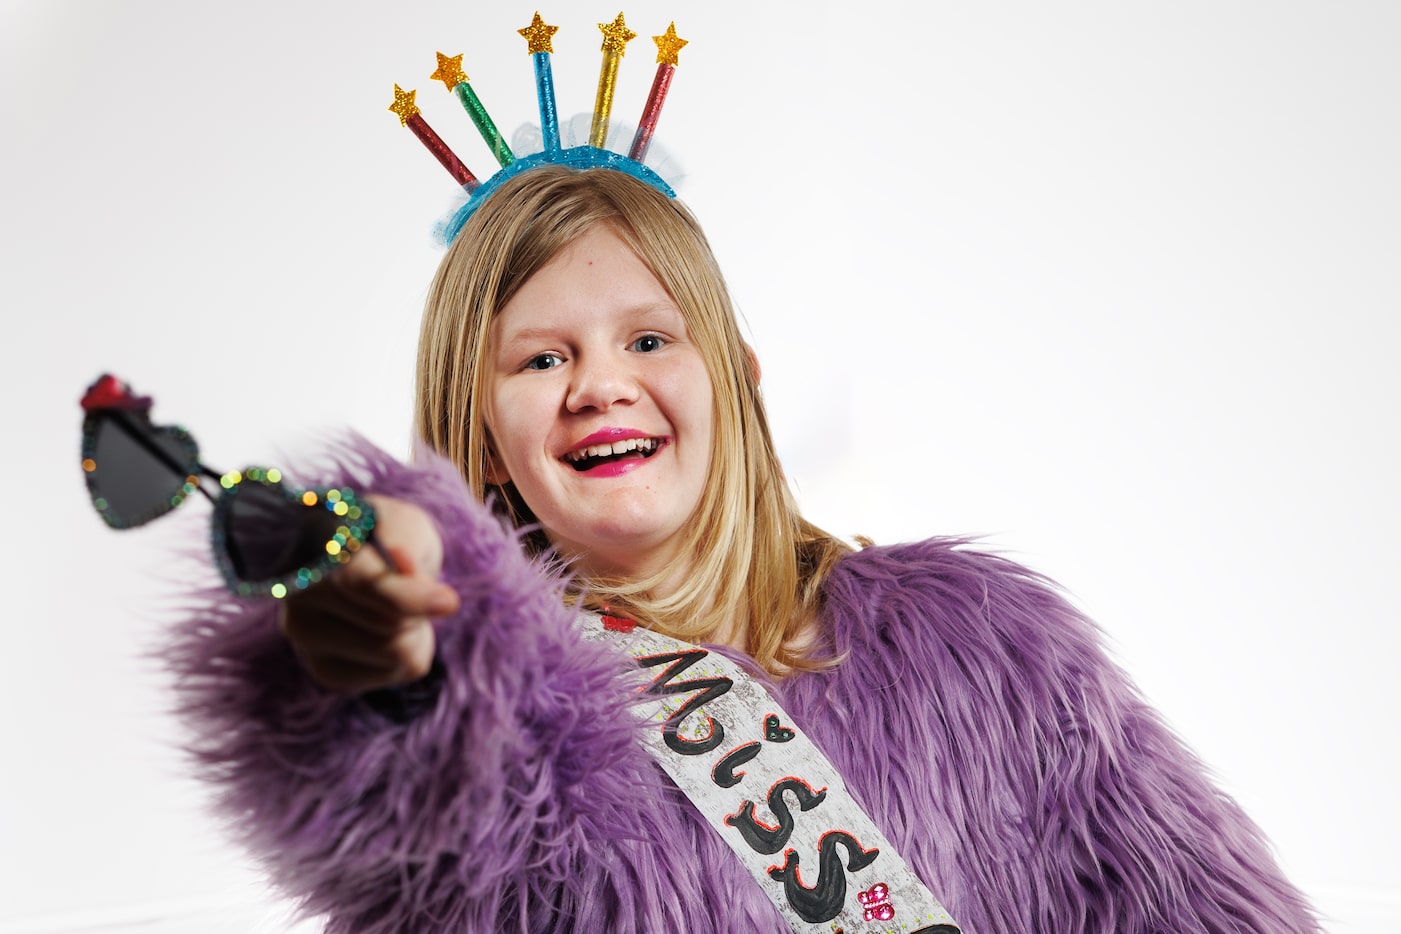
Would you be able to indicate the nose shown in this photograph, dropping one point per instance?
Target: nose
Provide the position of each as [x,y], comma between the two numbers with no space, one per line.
[601,381]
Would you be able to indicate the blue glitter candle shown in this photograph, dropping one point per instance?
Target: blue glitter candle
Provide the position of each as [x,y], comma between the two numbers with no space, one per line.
[545,88]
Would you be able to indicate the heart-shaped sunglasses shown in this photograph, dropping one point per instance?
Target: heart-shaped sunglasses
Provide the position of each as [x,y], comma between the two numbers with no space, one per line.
[268,539]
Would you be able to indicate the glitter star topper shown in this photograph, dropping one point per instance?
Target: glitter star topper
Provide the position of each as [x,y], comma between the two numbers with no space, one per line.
[538,34]
[539,37]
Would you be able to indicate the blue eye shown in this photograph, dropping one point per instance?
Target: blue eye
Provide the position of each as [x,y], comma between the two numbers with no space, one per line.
[544,361]
[648,344]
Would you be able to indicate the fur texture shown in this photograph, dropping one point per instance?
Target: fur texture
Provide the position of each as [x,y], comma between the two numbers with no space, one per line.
[975,716]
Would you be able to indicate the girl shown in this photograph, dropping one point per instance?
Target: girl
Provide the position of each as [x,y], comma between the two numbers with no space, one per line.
[441,745]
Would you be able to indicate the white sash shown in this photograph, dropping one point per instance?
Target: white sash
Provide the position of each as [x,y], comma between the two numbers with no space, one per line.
[769,792]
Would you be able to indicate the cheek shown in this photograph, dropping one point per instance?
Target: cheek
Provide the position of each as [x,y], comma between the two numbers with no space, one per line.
[699,400]
[507,423]
[688,391]
[514,410]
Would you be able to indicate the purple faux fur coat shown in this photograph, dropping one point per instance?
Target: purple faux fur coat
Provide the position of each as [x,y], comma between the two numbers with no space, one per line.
[976,718]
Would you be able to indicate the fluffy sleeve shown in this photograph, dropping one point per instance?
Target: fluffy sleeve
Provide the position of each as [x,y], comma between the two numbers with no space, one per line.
[481,813]
[1023,773]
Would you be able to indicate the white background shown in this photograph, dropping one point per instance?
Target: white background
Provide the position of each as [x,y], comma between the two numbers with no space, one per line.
[1112,284]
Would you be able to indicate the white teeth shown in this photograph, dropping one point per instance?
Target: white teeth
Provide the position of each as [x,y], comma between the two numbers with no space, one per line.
[617,447]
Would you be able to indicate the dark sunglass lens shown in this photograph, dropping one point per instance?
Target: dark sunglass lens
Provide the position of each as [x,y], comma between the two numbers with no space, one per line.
[270,536]
[138,471]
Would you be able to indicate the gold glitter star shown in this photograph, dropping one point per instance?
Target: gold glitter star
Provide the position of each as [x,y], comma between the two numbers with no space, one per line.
[668,46]
[616,35]
[449,71]
[403,105]
[538,35]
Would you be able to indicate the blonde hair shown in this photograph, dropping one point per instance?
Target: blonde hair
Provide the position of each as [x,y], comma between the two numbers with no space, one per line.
[756,563]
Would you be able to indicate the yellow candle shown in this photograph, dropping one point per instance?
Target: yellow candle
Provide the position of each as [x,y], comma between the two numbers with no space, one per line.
[616,36]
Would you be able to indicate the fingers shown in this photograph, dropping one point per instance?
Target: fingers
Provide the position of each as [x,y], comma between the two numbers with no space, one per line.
[417,596]
[355,645]
[371,634]
[367,625]
[353,661]
[378,605]
[390,647]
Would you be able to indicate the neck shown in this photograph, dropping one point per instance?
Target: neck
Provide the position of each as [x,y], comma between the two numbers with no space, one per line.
[731,632]
[662,570]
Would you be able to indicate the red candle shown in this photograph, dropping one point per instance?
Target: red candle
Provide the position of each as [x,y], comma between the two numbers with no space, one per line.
[409,116]
[668,45]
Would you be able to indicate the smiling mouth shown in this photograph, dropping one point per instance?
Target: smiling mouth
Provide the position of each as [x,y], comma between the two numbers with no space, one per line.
[596,454]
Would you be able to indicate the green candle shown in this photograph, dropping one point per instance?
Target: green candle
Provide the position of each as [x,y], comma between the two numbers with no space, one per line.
[450,73]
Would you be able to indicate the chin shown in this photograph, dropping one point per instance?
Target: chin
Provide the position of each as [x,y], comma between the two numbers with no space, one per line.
[624,552]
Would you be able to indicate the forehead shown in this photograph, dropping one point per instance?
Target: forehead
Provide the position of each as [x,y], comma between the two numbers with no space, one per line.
[595,277]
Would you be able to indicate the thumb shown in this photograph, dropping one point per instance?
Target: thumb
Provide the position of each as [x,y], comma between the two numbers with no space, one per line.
[400,560]
[423,567]
[406,537]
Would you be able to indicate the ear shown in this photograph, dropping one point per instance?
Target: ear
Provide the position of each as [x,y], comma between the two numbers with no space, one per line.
[496,475]
[496,472]
[753,359]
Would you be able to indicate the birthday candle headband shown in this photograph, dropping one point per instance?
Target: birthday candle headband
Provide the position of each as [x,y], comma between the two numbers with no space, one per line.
[538,34]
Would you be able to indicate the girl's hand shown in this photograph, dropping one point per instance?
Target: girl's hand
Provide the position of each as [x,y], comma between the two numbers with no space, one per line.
[367,625]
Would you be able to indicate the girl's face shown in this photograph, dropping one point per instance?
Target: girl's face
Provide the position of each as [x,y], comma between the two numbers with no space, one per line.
[599,408]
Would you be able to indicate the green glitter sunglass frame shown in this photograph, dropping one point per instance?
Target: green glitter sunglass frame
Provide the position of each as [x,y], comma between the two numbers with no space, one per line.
[268,539]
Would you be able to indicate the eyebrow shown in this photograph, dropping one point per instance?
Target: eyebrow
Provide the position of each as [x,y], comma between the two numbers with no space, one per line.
[532,335]
[526,335]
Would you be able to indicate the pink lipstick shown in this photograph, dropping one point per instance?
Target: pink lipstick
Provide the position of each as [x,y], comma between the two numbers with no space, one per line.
[609,435]
[610,452]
